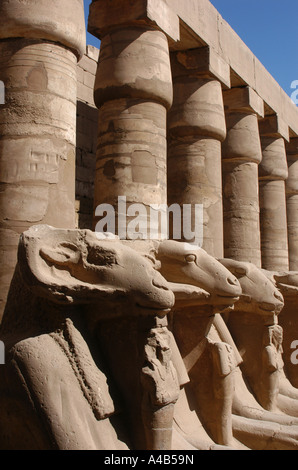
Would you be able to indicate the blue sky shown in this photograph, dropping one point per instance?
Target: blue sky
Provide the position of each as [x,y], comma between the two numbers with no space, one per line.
[268,27]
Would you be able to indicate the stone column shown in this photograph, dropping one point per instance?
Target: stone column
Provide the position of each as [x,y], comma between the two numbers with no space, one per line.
[292,202]
[288,282]
[39,49]
[273,171]
[241,156]
[133,91]
[196,128]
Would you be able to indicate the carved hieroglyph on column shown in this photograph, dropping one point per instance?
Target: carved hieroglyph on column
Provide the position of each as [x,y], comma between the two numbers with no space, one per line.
[196,129]
[133,91]
[292,202]
[40,46]
[273,171]
[241,156]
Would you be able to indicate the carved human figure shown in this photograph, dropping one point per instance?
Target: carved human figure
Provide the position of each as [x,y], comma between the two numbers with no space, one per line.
[66,284]
[287,282]
[272,364]
[224,364]
[159,379]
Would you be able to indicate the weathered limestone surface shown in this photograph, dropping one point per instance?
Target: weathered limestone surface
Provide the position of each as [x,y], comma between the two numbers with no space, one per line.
[51,333]
[292,202]
[144,344]
[202,24]
[196,128]
[241,157]
[133,90]
[273,172]
[38,121]
[287,282]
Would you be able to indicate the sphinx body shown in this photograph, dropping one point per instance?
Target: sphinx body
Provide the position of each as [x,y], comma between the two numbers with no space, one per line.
[99,357]
[210,364]
[287,283]
[66,283]
[254,326]
[247,420]
[206,345]
[95,318]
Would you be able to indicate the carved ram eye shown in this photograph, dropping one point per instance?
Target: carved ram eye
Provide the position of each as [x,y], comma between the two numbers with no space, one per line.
[190,258]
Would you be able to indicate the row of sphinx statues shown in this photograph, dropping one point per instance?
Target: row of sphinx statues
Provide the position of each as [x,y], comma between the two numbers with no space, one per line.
[143,345]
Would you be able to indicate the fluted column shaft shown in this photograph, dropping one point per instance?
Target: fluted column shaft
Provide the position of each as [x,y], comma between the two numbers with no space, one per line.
[241,157]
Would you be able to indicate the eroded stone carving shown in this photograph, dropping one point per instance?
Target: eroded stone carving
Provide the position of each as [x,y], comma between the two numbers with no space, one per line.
[69,283]
[210,289]
[254,327]
[117,345]
[160,382]
[40,48]
[253,324]
[287,282]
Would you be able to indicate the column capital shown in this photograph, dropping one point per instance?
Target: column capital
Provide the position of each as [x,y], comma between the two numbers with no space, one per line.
[274,133]
[274,126]
[245,100]
[58,20]
[106,15]
[203,62]
[134,65]
[274,162]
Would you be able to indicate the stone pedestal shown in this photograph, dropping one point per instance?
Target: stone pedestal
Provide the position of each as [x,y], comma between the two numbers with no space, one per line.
[40,48]
[241,157]
[292,203]
[196,128]
[273,171]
